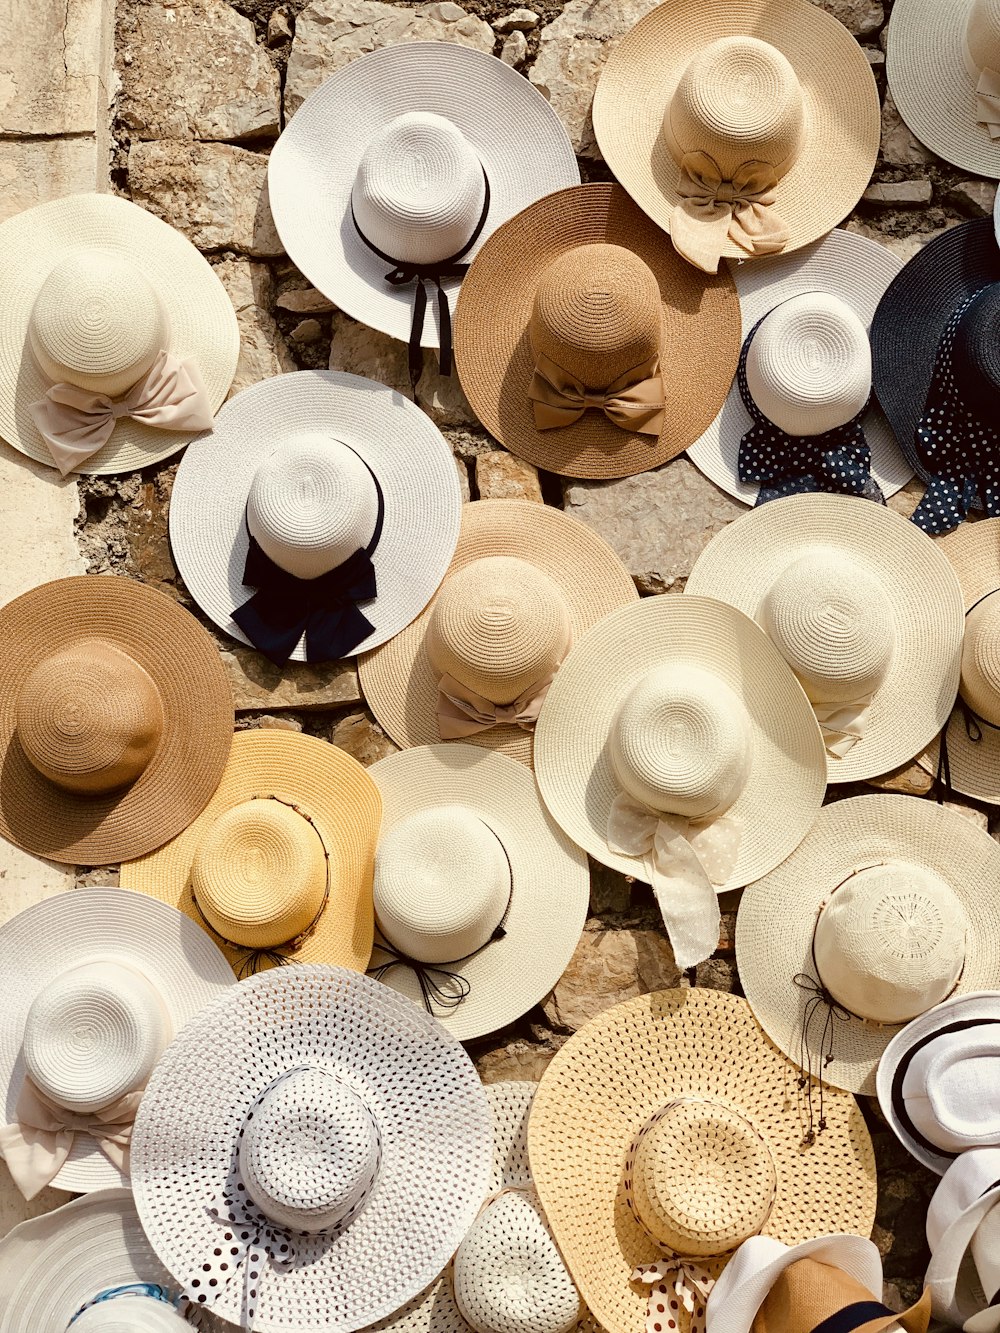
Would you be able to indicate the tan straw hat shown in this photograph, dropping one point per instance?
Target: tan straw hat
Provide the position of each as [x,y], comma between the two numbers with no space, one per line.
[525,583]
[116,719]
[278,867]
[570,329]
[807,1294]
[743,128]
[665,1133]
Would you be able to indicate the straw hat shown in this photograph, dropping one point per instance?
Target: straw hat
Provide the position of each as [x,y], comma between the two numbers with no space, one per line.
[309,465]
[869,863]
[355,1153]
[525,583]
[278,867]
[475,884]
[843,268]
[116,719]
[571,328]
[742,128]
[93,289]
[963,1231]
[864,609]
[667,1126]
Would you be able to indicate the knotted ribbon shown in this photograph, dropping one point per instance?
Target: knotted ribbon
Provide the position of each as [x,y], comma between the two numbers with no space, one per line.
[987,83]
[713,209]
[689,1289]
[149,1291]
[633,402]
[844,724]
[820,1002]
[462,712]
[75,423]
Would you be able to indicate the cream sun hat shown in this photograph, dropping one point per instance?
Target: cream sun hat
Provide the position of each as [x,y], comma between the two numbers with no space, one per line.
[303,493]
[117,340]
[864,609]
[525,583]
[278,867]
[661,747]
[963,1232]
[332,1140]
[743,128]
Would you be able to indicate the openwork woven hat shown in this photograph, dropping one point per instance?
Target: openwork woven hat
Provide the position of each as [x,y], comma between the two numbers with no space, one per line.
[963,1231]
[330,1138]
[116,719]
[278,867]
[663,1134]
[570,331]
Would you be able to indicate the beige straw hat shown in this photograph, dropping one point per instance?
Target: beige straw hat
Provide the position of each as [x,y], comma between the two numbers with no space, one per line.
[278,867]
[666,1132]
[571,329]
[862,606]
[744,127]
[116,719]
[525,583]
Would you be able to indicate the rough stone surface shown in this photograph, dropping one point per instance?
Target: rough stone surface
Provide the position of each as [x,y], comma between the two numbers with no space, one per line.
[899,194]
[514,50]
[899,145]
[263,351]
[38,510]
[26,880]
[304,301]
[258,683]
[279,28]
[911,780]
[32,171]
[518,20]
[862,17]
[53,78]
[361,736]
[610,966]
[501,476]
[974,197]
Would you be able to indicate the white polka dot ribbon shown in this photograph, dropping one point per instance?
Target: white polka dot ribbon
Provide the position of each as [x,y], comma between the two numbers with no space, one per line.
[248,1242]
[674,1284]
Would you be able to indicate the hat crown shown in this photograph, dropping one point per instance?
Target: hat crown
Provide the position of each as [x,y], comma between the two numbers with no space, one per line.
[93,1034]
[981,660]
[807,1293]
[131,1314]
[944,1084]
[89,717]
[976,356]
[982,34]
[97,322]
[890,942]
[420,189]
[442,884]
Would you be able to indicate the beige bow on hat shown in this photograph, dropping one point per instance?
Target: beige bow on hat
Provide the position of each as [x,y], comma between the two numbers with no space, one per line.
[843,725]
[462,712]
[634,401]
[689,1289]
[713,209]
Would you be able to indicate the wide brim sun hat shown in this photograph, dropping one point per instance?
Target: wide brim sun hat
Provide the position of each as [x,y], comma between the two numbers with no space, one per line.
[965,1204]
[419,488]
[493,349]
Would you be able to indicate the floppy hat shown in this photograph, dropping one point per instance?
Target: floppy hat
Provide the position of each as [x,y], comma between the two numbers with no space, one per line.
[963,1231]
[437,145]
[870,866]
[118,342]
[278,866]
[572,329]
[116,719]
[844,268]
[336,1134]
[303,493]
[95,984]
[663,1134]
[862,606]
[660,748]
[743,128]
[525,582]
[480,899]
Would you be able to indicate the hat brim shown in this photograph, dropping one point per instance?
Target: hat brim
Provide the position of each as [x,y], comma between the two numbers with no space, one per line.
[843,265]
[701,328]
[841,109]
[398,680]
[197,704]
[328,786]
[519,139]
[948,1273]
[863,830]
[208,532]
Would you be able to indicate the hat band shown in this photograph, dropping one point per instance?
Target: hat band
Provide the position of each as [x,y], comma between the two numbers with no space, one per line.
[634,402]
[692,1285]
[462,712]
[149,1291]
[714,209]
[896,1097]
[987,83]
[854,1316]
[972,722]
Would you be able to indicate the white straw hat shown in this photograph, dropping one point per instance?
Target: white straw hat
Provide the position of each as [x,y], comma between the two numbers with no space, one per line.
[849,269]
[963,1231]
[310,464]
[475,881]
[338,1136]
[95,984]
[93,290]
[885,909]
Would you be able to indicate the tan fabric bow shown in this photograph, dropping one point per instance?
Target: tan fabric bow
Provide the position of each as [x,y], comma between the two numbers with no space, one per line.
[463,712]
[988,102]
[634,401]
[76,423]
[37,1147]
[712,209]
[690,1288]
[843,725]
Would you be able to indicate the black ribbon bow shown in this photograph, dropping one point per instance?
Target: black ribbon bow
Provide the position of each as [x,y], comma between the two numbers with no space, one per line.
[820,1002]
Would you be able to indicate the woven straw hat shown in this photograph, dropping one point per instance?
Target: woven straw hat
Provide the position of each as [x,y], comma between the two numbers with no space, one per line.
[808,1294]
[92,288]
[862,606]
[466,850]
[583,279]
[776,96]
[963,1231]
[279,864]
[525,583]
[306,463]
[116,719]
[364,1146]
[95,984]
[869,863]
[668,1122]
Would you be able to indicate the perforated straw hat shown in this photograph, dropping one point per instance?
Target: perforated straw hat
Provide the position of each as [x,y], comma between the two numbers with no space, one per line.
[963,1231]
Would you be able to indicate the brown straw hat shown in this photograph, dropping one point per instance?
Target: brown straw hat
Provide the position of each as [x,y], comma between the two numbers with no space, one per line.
[582,302]
[116,719]
[808,1294]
